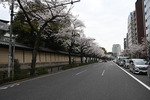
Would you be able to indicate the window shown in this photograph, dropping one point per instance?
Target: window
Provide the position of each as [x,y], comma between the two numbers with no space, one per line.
[146,20]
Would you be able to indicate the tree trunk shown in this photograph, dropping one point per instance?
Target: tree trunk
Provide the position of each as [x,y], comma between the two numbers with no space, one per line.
[81,57]
[34,55]
[70,59]
[86,59]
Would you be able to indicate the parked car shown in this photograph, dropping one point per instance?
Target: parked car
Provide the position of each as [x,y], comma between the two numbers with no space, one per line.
[115,60]
[138,65]
[126,63]
[120,61]
[104,60]
[148,70]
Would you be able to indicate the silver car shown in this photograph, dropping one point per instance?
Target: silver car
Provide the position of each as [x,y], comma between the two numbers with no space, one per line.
[138,65]
[120,61]
[126,63]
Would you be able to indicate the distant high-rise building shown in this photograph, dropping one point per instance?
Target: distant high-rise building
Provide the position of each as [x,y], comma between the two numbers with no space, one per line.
[116,49]
[127,46]
[125,43]
[147,16]
[140,19]
[132,34]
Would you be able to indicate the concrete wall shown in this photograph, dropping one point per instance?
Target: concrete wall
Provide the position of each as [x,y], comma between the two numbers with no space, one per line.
[43,58]
[3,55]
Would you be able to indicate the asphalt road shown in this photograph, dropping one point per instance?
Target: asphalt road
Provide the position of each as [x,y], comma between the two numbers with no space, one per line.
[99,81]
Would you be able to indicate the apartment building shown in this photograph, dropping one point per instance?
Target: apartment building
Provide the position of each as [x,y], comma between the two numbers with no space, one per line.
[147,16]
[132,33]
[125,43]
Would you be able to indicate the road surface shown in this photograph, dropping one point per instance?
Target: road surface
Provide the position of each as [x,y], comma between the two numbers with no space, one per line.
[99,81]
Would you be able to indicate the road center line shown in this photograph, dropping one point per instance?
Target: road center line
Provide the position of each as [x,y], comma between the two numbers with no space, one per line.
[135,78]
[103,72]
[81,72]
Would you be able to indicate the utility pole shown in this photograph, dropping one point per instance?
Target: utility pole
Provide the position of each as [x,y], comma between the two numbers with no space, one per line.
[10,41]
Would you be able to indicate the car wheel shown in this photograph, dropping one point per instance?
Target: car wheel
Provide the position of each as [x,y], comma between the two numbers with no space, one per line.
[133,71]
[124,66]
[130,69]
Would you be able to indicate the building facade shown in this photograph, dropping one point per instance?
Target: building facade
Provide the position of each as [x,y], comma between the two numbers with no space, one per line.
[147,16]
[140,19]
[125,43]
[147,23]
[116,49]
[132,33]
[138,24]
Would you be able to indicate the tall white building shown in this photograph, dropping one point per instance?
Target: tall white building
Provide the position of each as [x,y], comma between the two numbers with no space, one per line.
[116,49]
[132,33]
[147,16]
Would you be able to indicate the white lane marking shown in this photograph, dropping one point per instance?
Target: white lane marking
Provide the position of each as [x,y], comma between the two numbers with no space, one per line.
[17,84]
[3,88]
[14,85]
[103,72]
[135,78]
[81,72]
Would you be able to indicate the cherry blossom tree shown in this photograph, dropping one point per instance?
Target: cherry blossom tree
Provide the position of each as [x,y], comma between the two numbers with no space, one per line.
[39,13]
[83,45]
[125,52]
[70,34]
[146,47]
[94,51]
[134,50]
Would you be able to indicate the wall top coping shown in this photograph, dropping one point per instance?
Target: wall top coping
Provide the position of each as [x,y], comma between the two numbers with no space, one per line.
[20,46]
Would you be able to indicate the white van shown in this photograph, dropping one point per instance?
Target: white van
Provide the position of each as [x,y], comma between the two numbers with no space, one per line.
[138,65]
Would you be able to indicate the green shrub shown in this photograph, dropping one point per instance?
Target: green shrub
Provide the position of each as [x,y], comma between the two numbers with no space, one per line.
[41,71]
[5,80]
[66,67]
[1,75]
[17,65]
[22,74]
[4,77]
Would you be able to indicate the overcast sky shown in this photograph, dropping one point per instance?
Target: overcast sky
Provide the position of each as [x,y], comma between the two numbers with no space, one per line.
[105,20]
